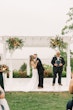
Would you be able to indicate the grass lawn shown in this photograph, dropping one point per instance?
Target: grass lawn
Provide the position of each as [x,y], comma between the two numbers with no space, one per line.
[37,100]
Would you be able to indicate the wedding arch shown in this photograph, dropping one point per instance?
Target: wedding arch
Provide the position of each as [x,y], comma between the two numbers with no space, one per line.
[11,84]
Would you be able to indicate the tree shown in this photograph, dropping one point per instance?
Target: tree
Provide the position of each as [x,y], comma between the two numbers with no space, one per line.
[68,28]
[69,23]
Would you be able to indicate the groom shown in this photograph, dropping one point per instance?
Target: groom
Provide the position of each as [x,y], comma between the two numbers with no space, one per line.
[40,71]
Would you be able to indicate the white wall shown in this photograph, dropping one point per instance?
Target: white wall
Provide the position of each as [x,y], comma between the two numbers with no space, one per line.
[43,52]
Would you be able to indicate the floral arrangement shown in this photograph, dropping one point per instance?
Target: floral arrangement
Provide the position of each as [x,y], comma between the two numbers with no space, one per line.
[56,42]
[14,43]
[4,68]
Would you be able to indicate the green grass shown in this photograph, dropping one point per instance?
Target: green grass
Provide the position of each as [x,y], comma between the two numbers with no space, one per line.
[37,100]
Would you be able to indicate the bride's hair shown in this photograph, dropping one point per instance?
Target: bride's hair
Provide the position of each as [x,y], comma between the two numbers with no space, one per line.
[31,58]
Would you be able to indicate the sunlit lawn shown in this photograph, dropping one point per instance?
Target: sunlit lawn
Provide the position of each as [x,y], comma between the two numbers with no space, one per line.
[37,100]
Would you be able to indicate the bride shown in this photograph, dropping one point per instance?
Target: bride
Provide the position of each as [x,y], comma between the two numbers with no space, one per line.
[33,84]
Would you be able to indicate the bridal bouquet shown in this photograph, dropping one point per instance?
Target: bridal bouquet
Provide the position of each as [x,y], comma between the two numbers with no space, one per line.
[4,68]
[14,43]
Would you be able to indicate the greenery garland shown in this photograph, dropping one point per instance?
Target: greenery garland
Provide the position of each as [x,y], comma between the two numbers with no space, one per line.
[14,43]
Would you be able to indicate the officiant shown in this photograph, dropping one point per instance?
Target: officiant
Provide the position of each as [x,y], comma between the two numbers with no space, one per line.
[57,62]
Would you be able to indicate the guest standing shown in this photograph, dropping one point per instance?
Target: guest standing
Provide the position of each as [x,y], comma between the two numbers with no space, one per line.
[1,79]
[1,75]
[57,63]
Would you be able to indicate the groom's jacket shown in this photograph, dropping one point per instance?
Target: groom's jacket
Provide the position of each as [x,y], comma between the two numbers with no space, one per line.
[60,68]
[40,67]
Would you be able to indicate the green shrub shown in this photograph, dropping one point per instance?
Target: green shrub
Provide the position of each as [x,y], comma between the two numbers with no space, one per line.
[64,74]
[19,74]
[15,74]
[23,67]
[49,72]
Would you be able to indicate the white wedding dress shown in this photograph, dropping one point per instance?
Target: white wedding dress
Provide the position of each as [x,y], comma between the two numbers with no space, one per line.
[33,83]
[3,102]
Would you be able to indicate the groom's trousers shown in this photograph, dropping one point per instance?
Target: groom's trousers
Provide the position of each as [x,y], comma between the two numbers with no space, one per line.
[40,80]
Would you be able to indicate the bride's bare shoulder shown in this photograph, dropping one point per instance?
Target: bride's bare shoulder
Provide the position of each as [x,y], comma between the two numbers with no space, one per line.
[32,62]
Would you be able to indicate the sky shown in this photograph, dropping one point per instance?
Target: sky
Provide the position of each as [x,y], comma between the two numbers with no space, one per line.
[33,17]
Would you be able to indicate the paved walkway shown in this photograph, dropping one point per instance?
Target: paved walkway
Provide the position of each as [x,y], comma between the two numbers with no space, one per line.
[19,84]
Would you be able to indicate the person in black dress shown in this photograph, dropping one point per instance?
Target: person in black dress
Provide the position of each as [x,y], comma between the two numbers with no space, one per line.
[57,62]
[1,80]
[69,105]
[1,77]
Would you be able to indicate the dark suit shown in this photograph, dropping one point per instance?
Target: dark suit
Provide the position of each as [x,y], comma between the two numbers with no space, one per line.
[69,105]
[1,80]
[40,72]
[57,69]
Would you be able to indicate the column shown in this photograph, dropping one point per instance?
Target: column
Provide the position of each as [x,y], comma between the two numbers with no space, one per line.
[10,66]
[4,54]
[68,63]
[4,51]
[28,66]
